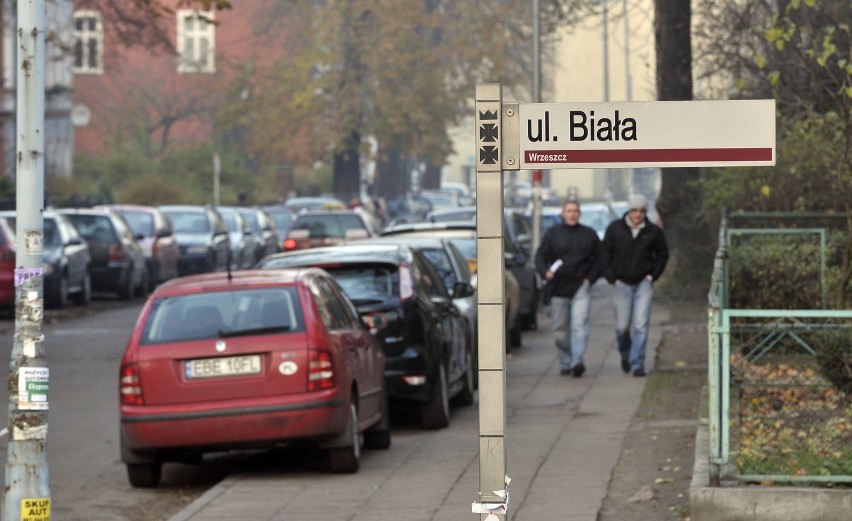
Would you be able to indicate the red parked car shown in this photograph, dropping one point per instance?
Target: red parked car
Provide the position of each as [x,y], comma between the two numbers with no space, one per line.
[219,362]
[7,265]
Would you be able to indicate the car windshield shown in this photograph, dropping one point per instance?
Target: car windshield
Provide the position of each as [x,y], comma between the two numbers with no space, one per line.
[364,284]
[141,223]
[441,261]
[189,222]
[466,245]
[230,221]
[221,314]
[251,219]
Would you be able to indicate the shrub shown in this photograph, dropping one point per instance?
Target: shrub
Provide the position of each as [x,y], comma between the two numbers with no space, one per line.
[834,356]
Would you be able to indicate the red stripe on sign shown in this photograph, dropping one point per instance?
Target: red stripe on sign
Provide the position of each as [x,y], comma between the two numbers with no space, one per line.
[649,155]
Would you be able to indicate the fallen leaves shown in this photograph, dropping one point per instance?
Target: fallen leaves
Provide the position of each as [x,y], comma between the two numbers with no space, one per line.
[791,421]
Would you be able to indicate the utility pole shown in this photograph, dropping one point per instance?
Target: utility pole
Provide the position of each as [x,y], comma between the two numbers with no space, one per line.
[27,495]
[537,176]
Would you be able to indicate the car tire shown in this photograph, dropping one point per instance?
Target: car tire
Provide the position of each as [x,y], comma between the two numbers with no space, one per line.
[153,277]
[144,475]
[128,291]
[59,300]
[466,396]
[347,460]
[85,295]
[435,414]
[379,435]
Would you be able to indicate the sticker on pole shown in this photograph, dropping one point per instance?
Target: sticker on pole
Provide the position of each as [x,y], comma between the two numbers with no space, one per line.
[24,274]
[35,509]
[33,385]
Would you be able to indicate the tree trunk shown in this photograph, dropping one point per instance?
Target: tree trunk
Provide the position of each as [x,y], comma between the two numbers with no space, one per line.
[691,243]
[431,177]
[347,168]
[391,175]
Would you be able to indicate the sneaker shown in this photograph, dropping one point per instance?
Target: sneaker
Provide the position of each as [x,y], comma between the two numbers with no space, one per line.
[565,372]
[578,370]
[625,366]
[639,372]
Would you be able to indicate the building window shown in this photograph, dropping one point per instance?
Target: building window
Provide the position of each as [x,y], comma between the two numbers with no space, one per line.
[88,42]
[196,41]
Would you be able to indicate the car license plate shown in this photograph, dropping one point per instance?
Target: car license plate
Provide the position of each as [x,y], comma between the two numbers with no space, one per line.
[225,366]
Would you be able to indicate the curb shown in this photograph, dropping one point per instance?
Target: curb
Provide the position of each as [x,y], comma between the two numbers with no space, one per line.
[201,502]
[757,503]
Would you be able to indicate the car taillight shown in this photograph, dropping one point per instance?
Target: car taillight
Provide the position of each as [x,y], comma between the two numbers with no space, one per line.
[290,244]
[406,284]
[116,253]
[130,386]
[320,371]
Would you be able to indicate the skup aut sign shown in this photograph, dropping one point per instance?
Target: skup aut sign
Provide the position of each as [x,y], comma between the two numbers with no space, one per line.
[654,133]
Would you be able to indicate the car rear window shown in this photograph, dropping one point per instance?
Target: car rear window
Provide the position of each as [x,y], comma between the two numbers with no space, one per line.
[329,226]
[364,284]
[222,314]
[95,228]
[189,222]
[141,223]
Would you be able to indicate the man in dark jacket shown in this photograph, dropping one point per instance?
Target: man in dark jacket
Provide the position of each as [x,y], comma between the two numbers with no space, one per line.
[633,255]
[568,259]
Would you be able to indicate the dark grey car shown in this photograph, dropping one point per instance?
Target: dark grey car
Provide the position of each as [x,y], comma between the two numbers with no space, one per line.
[202,237]
[66,261]
[118,264]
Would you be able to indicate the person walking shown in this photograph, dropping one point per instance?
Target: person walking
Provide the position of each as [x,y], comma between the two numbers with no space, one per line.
[569,260]
[634,253]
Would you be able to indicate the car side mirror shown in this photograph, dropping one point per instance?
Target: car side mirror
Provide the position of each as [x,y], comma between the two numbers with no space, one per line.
[74,242]
[462,290]
[139,237]
[162,233]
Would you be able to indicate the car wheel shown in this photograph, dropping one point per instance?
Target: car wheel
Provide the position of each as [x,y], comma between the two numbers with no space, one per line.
[129,289]
[347,460]
[85,295]
[435,414]
[153,277]
[379,435]
[144,475]
[60,298]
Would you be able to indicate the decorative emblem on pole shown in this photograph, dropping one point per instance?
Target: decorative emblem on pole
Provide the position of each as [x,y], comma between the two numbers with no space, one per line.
[488,135]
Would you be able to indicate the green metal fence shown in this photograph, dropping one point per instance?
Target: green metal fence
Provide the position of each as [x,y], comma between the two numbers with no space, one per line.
[780,380]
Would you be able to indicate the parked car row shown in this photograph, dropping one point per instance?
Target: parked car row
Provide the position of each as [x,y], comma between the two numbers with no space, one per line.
[129,249]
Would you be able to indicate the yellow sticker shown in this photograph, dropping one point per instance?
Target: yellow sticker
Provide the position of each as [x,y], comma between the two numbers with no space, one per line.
[35,509]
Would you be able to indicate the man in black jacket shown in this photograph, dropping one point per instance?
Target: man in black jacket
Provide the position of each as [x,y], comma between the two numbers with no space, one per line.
[633,255]
[568,259]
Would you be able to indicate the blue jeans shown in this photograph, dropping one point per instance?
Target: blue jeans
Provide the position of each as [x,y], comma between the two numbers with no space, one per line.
[632,303]
[571,325]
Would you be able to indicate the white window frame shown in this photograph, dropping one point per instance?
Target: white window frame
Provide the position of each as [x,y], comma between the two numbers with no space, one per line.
[196,34]
[83,37]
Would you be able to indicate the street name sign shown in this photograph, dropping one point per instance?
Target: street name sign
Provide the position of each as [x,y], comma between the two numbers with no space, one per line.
[639,134]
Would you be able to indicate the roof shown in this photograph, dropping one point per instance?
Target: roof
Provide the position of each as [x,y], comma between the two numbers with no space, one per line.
[342,253]
[222,281]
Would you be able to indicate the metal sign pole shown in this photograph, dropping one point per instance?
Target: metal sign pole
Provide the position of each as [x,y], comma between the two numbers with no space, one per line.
[27,495]
[493,486]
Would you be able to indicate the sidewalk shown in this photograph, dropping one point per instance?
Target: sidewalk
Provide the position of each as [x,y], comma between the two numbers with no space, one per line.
[564,438]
